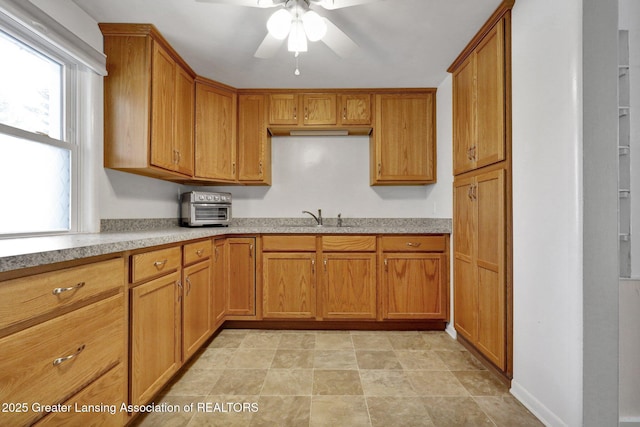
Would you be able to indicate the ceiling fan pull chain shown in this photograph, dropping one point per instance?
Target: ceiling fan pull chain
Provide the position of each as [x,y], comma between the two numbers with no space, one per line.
[297,71]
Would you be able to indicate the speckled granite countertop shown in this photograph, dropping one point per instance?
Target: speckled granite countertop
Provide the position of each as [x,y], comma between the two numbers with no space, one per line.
[125,235]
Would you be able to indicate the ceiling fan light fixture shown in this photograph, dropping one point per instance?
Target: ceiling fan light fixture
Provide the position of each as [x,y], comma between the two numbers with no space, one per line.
[314,25]
[279,24]
[297,37]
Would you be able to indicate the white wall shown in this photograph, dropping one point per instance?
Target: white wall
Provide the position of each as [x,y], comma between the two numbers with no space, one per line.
[630,20]
[547,216]
[629,351]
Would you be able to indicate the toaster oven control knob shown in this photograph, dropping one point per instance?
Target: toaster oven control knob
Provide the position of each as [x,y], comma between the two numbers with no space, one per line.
[209,198]
[216,198]
[201,197]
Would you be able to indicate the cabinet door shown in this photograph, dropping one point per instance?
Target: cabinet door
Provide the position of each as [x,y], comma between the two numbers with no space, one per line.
[464,277]
[289,288]
[319,109]
[349,286]
[355,109]
[219,282]
[490,69]
[464,116]
[491,275]
[283,109]
[184,123]
[155,336]
[163,78]
[414,286]
[254,142]
[241,291]
[215,145]
[405,139]
[196,309]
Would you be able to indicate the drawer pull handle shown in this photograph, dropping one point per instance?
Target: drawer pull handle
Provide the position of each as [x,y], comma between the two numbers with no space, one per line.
[160,264]
[58,291]
[199,252]
[60,360]
[414,245]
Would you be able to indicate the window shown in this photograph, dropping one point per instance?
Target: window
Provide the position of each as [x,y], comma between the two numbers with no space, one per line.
[38,155]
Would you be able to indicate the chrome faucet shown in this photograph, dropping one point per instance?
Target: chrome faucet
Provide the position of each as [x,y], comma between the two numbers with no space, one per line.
[317,218]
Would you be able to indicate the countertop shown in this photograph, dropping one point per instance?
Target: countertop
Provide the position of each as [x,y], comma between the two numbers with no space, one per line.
[35,251]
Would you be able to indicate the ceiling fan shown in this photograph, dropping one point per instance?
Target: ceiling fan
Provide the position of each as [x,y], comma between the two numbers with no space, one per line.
[295,21]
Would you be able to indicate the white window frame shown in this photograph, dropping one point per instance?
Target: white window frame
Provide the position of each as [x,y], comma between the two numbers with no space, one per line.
[83,68]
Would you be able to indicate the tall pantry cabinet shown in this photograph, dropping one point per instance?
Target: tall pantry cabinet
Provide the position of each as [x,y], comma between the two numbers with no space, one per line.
[482,192]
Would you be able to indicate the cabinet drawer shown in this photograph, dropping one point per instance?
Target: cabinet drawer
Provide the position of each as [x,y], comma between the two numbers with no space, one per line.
[194,252]
[349,243]
[289,243]
[155,263]
[105,396]
[31,296]
[414,243]
[48,362]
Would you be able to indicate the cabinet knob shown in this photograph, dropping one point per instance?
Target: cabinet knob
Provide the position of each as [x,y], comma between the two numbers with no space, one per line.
[159,264]
[60,360]
[414,245]
[58,291]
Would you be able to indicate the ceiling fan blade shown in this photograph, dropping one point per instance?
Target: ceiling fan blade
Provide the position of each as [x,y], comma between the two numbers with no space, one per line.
[338,41]
[247,3]
[269,47]
[339,4]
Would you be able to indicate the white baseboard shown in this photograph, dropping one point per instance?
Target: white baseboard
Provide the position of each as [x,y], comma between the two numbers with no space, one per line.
[536,407]
[629,422]
[451,331]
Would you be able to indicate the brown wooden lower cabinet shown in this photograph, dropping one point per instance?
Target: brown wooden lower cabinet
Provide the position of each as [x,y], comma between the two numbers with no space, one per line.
[414,286]
[155,336]
[196,309]
[241,280]
[289,285]
[349,285]
[220,286]
[480,262]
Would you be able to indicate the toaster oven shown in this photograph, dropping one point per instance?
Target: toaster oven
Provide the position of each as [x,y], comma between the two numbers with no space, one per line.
[200,208]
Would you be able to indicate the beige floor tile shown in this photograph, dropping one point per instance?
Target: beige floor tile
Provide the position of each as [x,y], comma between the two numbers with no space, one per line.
[386,383]
[240,382]
[420,360]
[370,359]
[335,359]
[288,382]
[212,358]
[251,359]
[436,383]
[506,411]
[178,418]
[283,411]
[371,342]
[481,383]
[225,411]
[193,382]
[408,342]
[441,341]
[456,411]
[261,340]
[227,340]
[293,359]
[460,360]
[398,411]
[345,411]
[293,341]
[326,341]
[336,382]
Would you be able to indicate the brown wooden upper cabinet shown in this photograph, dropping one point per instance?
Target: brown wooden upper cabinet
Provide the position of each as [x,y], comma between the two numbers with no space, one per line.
[322,109]
[215,146]
[148,104]
[254,142]
[355,109]
[479,105]
[404,139]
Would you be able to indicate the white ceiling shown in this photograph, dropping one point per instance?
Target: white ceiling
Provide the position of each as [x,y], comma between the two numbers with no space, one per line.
[402,43]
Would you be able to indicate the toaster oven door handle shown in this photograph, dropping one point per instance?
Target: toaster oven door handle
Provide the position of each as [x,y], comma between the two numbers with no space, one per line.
[209,205]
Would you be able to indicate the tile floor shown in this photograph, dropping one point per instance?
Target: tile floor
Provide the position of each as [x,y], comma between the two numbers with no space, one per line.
[337,378]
